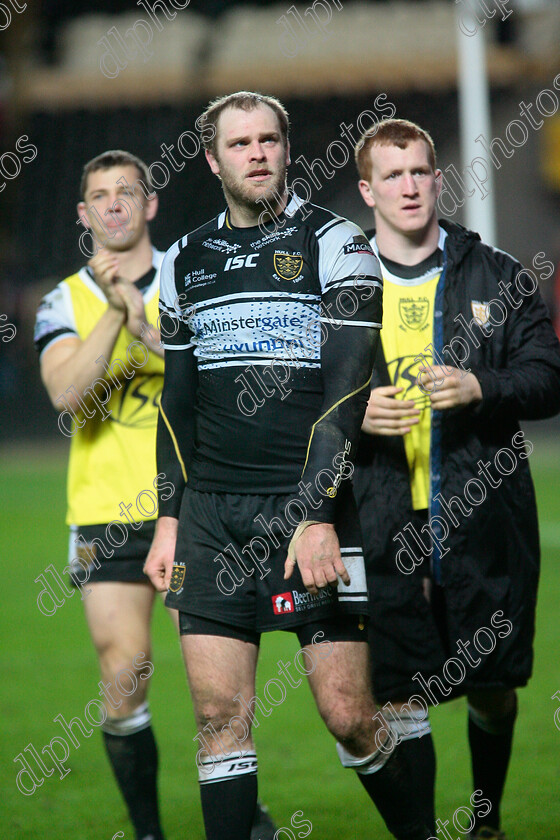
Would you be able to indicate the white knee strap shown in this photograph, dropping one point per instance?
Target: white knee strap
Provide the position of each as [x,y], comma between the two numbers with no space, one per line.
[139,719]
[370,764]
[408,725]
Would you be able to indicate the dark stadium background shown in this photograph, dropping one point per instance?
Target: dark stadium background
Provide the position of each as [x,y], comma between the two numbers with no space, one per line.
[47,663]
[38,233]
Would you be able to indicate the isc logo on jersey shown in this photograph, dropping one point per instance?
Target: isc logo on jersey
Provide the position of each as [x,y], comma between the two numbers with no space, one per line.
[241,261]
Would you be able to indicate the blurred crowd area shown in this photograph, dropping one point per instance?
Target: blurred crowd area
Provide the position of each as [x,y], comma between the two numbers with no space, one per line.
[54,96]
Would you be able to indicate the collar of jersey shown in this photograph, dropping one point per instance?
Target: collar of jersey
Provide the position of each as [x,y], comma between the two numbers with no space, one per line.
[413,275]
[291,208]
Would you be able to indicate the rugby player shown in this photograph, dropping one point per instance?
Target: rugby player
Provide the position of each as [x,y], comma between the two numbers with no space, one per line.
[250,297]
[447,396]
[88,333]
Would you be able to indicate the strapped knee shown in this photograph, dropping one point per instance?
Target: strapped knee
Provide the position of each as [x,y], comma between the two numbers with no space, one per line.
[370,763]
[408,725]
[136,721]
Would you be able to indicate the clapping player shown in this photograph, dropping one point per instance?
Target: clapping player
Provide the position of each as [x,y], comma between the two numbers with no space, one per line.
[84,327]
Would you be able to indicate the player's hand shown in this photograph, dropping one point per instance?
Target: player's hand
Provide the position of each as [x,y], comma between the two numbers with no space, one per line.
[105,267]
[386,415]
[134,301]
[450,389]
[317,553]
[159,562]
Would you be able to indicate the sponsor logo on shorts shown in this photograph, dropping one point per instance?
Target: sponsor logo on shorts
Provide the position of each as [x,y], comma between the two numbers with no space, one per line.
[306,601]
[177,577]
[282,603]
[294,601]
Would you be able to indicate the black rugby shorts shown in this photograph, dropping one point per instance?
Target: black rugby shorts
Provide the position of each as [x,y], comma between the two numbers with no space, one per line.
[229,565]
[109,553]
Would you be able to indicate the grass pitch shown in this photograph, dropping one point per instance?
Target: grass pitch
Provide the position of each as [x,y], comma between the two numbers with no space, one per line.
[48,668]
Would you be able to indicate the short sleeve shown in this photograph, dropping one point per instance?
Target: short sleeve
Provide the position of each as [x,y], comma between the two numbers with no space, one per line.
[54,319]
[174,333]
[344,255]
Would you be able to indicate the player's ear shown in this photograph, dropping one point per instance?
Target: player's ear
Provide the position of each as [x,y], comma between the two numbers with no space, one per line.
[81,207]
[366,193]
[212,162]
[151,207]
[439,182]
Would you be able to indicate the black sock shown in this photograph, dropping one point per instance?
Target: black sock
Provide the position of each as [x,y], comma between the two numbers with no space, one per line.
[229,807]
[134,760]
[490,745]
[420,758]
[393,791]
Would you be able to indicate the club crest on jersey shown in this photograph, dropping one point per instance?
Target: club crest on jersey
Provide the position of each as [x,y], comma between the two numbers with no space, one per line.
[288,266]
[177,577]
[414,312]
[481,311]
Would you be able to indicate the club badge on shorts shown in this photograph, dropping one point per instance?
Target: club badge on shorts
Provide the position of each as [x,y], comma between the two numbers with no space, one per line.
[177,577]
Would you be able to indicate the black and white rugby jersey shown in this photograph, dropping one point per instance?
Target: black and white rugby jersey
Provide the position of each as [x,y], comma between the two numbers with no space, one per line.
[269,340]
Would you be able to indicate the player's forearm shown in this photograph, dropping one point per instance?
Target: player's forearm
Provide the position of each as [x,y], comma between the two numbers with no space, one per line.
[77,369]
[176,425]
[166,528]
[170,462]
[347,365]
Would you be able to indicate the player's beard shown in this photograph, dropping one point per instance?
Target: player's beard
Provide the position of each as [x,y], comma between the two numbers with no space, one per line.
[240,192]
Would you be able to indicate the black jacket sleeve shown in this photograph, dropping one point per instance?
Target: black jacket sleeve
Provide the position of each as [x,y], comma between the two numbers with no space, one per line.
[526,383]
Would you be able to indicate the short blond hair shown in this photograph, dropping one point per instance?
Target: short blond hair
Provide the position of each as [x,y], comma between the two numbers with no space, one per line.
[245,100]
[390,133]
